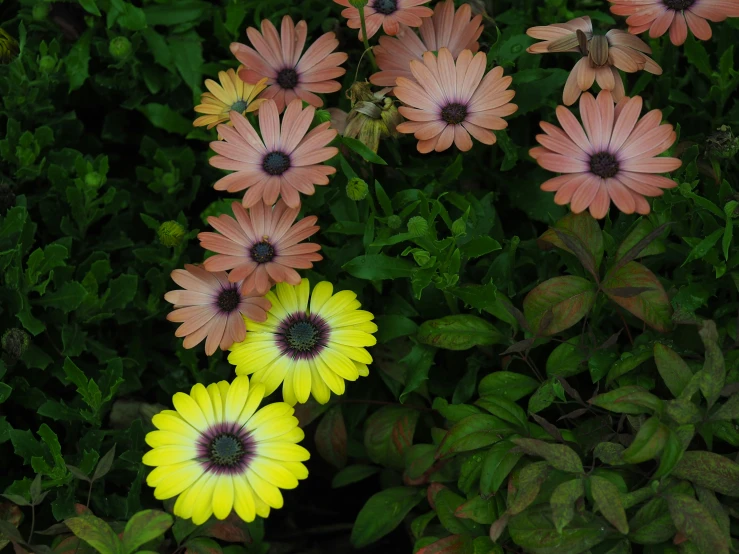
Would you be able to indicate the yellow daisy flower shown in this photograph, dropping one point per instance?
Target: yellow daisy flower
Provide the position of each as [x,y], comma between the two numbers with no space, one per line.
[311,343]
[231,94]
[219,453]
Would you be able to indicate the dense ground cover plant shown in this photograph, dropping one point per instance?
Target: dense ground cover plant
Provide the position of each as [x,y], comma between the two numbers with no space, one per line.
[521,378]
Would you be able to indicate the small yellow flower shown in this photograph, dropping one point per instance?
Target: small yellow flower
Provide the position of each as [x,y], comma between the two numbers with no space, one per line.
[217,452]
[310,344]
[8,47]
[231,94]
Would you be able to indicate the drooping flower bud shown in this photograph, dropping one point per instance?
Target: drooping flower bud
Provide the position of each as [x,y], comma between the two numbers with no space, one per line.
[417,226]
[373,116]
[357,189]
[170,233]
[47,64]
[15,342]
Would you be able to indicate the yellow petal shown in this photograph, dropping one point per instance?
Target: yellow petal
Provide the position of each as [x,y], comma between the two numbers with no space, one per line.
[168,455]
[261,506]
[229,90]
[267,492]
[319,389]
[333,381]
[186,502]
[283,451]
[302,292]
[216,401]
[288,297]
[321,293]
[352,338]
[277,309]
[165,438]
[339,302]
[288,386]
[273,375]
[273,473]
[189,410]
[223,496]
[201,396]
[178,481]
[170,420]
[273,428]
[204,503]
[243,499]
[362,369]
[294,435]
[302,381]
[353,353]
[255,356]
[236,397]
[297,469]
[217,91]
[340,364]
[160,474]
[348,319]
[252,403]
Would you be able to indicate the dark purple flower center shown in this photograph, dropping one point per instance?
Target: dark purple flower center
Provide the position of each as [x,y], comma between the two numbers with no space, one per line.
[226,450]
[385,7]
[302,335]
[276,163]
[239,106]
[262,252]
[678,5]
[454,113]
[229,300]
[604,164]
[287,78]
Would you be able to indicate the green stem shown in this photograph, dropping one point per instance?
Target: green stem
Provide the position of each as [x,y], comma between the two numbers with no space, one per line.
[367,47]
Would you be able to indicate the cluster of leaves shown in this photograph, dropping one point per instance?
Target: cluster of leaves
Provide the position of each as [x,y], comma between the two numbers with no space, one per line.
[542,382]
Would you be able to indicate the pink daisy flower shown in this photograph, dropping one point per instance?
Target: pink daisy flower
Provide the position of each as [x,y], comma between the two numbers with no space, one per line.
[448,102]
[213,308]
[602,56]
[261,245]
[612,159]
[290,73]
[388,14]
[447,28]
[659,16]
[284,161]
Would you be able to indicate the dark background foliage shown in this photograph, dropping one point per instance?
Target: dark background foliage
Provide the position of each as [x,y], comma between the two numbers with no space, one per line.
[98,150]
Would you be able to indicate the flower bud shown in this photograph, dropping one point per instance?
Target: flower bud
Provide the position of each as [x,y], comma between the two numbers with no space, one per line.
[40,11]
[47,64]
[168,180]
[394,222]
[93,179]
[722,143]
[391,117]
[459,227]
[15,342]
[357,189]
[170,233]
[119,47]
[417,226]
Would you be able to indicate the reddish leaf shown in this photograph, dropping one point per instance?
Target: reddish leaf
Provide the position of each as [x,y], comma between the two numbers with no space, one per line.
[652,306]
[431,492]
[331,438]
[579,226]
[389,433]
[309,411]
[231,529]
[456,544]
[73,545]
[558,304]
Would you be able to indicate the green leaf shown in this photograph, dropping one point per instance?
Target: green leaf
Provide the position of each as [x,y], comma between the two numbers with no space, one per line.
[534,532]
[353,474]
[530,480]
[121,291]
[694,521]
[567,359]
[331,438]
[506,384]
[68,298]
[498,463]
[652,523]
[648,443]
[672,452]
[704,247]
[729,410]
[144,527]
[459,332]
[558,304]
[447,505]
[582,227]
[90,6]
[166,118]
[388,434]
[361,149]
[506,410]
[672,368]
[95,532]
[378,267]
[480,246]
[713,374]
[104,465]
[478,509]
[608,500]
[187,54]
[563,501]
[641,231]
[637,290]
[382,513]
[711,471]
[473,432]
[78,60]
[559,456]
[697,55]
[630,399]
[628,362]
[455,544]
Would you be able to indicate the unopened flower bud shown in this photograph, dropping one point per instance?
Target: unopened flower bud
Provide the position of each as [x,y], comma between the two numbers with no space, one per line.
[417,226]
[47,64]
[40,11]
[168,180]
[15,342]
[459,227]
[119,47]
[357,189]
[170,233]
[93,179]
[394,222]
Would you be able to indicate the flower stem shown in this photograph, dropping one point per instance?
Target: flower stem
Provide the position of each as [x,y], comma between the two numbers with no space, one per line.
[367,47]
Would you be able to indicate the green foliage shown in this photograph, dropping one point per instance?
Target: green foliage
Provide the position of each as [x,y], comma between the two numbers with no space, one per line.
[543,382]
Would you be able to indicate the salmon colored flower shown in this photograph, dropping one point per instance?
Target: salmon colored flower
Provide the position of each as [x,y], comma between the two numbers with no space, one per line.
[602,56]
[612,159]
[290,72]
[659,16]
[213,308]
[231,94]
[455,30]
[261,246]
[284,161]
[448,102]
[388,14]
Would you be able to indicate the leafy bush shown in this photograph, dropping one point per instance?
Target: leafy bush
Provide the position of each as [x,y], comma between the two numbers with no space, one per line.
[542,382]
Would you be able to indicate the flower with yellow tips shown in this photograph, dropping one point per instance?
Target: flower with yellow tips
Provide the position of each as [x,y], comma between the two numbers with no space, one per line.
[232,94]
